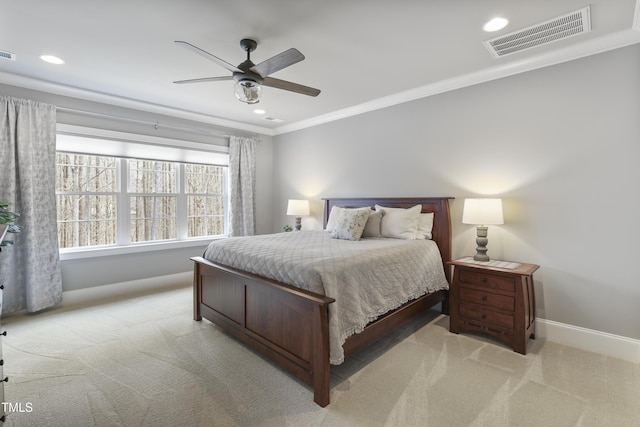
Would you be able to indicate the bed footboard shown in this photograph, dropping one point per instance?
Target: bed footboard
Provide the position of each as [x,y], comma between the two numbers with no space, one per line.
[286,324]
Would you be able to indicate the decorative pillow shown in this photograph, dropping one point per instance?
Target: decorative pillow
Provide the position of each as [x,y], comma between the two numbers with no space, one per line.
[425,225]
[351,223]
[399,223]
[333,217]
[372,228]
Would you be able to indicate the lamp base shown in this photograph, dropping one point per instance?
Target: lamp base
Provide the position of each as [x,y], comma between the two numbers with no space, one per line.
[481,241]
[298,223]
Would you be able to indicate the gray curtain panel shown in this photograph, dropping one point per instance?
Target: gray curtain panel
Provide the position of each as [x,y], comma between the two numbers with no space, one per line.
[242,177]
[30,270]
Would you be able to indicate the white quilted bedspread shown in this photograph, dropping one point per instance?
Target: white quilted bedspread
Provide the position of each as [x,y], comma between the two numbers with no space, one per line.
[367,278]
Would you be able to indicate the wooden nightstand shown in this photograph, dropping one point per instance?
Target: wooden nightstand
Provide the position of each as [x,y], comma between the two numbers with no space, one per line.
[496,298]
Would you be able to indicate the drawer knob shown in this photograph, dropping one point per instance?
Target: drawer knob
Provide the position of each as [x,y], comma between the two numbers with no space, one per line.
[484,316]
[484,297]
[484,280]
[4,333]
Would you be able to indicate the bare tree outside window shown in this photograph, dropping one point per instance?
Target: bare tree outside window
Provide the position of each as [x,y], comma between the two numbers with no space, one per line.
[153,201]
[204,186]
[88,190]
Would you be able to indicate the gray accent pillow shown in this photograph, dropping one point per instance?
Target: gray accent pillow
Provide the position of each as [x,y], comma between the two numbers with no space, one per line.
[372,228]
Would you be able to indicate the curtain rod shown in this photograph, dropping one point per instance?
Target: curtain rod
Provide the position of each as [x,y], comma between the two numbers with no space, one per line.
[156,124]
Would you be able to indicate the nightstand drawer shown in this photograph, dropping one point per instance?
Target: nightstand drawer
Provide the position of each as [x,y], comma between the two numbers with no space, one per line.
[491,281]
[481,314]
[487,298]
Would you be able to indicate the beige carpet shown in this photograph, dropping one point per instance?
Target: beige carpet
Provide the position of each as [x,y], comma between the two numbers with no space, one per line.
[145,362]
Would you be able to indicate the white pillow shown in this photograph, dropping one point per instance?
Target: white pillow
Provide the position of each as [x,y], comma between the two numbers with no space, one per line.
[425,225]
[333,217]
[399,223]
[351,223]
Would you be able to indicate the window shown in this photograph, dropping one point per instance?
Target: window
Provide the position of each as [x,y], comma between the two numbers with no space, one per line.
[152,200]
[87,194]
[117,201]
[205,200]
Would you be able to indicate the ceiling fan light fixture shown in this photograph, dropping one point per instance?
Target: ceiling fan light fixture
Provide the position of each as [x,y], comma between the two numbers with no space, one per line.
[247,91]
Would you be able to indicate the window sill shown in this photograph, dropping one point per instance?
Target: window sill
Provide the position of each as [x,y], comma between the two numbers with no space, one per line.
[71,254]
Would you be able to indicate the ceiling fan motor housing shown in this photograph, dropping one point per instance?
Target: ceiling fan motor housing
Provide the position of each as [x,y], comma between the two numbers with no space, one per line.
[248,45]
[246,73]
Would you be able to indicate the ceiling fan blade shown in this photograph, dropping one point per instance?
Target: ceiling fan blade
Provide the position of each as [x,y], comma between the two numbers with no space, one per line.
[278,62]
[290,86]
[209,56]
[204,79]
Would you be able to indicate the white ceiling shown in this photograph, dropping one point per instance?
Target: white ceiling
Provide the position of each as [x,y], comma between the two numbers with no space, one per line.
[362,54]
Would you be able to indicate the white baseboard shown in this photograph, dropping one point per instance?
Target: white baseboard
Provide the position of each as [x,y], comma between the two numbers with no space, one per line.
[128,289]
[588,339]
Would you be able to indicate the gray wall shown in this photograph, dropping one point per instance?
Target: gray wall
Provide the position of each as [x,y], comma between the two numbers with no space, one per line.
[560,145]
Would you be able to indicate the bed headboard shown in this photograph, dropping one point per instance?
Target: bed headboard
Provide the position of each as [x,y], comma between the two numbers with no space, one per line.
[438,205]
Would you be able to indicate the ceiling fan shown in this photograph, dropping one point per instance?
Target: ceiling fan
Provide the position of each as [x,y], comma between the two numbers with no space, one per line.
[249,77]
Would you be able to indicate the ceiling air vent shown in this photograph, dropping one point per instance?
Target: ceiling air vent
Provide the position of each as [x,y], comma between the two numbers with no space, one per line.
[562,27]
[7,55]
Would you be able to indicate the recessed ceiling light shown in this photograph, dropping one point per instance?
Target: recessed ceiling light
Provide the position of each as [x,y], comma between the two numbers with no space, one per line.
[52,59]
[495,24]
[259,111]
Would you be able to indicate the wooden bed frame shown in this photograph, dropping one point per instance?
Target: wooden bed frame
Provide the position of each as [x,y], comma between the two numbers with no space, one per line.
[289,325]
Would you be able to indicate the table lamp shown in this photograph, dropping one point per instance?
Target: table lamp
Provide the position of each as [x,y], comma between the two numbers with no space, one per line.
[482,212]
[298,208]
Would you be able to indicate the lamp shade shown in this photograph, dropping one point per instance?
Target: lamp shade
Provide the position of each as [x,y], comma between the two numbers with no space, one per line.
[298,207]
[482,212]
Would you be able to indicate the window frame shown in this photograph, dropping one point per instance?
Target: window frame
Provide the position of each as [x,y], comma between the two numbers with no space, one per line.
[123,243]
